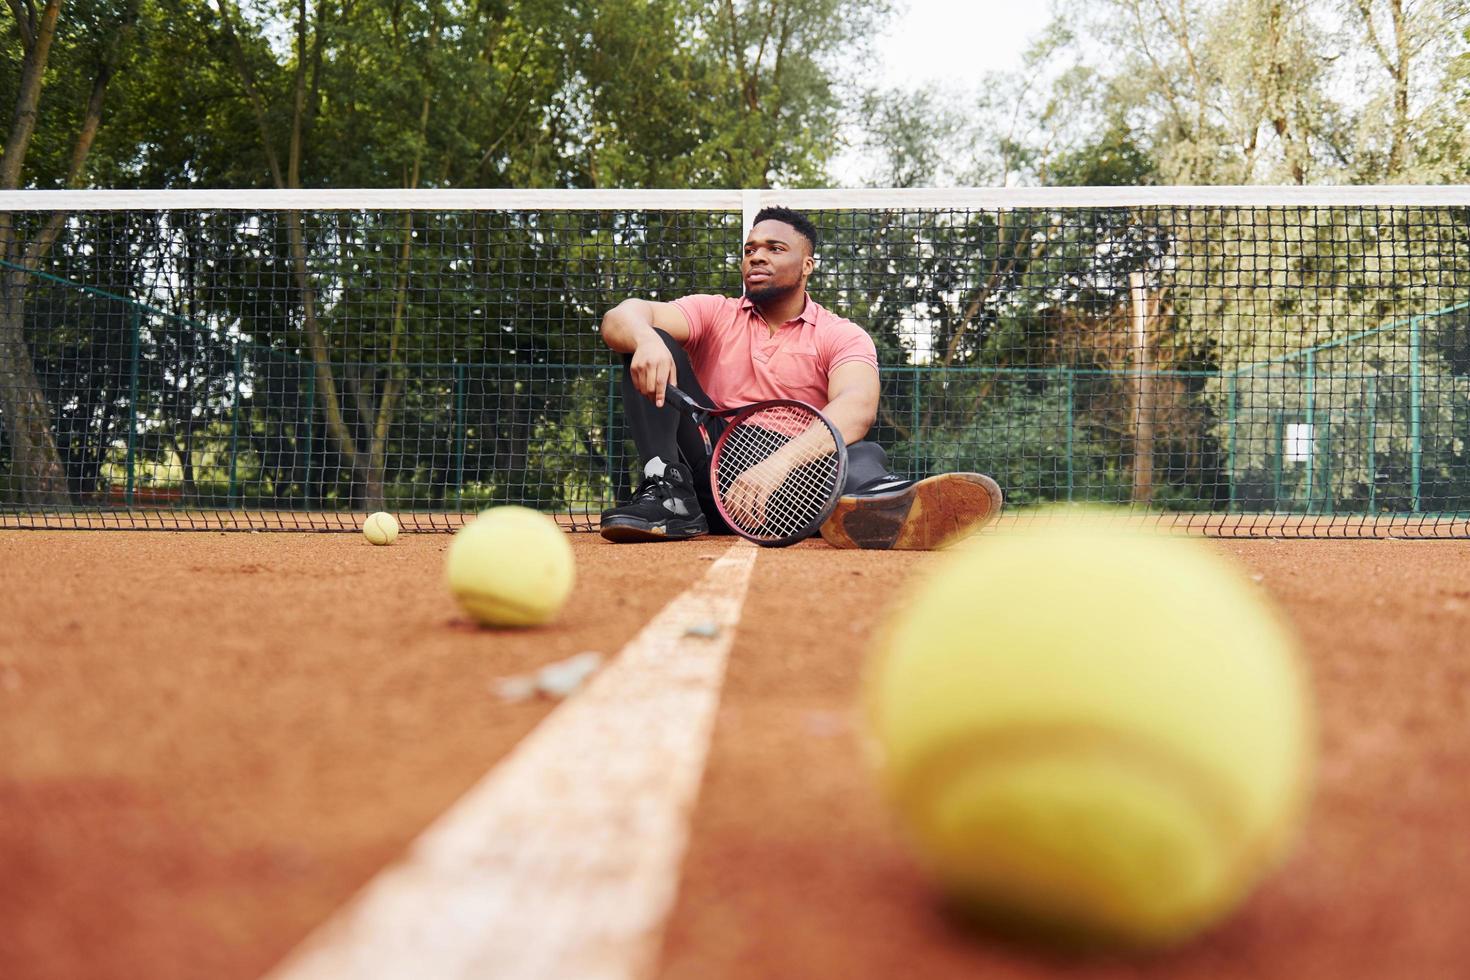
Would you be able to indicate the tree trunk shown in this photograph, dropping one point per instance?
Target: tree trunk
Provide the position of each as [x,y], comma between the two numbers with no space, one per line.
[392,387]
[318,348]
[35,456]
[185,451]
[377,464]
[321,359]
[35,459]
[1400,72]
[1143,393]
[1395,58]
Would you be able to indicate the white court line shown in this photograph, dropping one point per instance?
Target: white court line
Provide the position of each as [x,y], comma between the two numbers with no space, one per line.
[564,860]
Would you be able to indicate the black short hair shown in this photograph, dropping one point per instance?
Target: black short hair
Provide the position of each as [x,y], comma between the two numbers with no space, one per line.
[795,219]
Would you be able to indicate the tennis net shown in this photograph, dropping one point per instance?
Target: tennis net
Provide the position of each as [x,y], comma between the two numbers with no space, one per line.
[1238,361]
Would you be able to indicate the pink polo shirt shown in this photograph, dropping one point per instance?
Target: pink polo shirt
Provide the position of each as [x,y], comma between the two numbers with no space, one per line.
[738,360]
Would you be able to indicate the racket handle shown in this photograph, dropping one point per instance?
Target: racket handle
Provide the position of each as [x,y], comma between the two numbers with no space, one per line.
[682,401]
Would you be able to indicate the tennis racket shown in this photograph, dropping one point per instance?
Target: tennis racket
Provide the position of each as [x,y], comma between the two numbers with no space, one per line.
[775,471]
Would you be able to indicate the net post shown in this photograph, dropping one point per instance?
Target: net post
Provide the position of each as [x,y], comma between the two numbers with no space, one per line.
[136,319]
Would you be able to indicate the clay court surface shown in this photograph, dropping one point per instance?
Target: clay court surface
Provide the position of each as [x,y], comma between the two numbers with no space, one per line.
[210,741]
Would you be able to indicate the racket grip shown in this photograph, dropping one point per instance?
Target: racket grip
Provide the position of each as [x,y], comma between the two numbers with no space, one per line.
[681,401]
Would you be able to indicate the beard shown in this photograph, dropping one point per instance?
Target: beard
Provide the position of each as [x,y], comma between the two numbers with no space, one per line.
[770,292]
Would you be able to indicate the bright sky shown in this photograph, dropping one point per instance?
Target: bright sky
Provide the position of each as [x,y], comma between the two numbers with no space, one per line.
[957,41]
[951,43]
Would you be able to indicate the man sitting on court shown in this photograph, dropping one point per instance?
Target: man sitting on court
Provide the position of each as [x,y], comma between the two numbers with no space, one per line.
[773,342]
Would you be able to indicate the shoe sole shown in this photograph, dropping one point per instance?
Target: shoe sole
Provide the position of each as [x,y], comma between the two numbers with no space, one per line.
[931,514]
[628,533]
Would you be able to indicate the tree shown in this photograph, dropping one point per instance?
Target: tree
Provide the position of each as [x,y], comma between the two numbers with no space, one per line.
[1406,48]
[1239,92]
[911,137]
[1276,91]
[92,43]
[1222,93]
[1113,159]
[770,69]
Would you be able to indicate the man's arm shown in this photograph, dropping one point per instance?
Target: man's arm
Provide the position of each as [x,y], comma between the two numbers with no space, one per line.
[852,399]
[629,329]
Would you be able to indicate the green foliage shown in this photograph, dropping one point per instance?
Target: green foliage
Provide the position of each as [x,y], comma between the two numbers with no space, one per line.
[1056,435]
[1205,92]
[1114,159]
[616,93]
[483,326]
[376,93]
[95,39]
[1018,433]
[1367,407]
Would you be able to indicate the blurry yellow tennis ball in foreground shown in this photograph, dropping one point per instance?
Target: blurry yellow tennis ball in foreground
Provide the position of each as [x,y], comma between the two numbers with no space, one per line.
[1092,734]
[511,566]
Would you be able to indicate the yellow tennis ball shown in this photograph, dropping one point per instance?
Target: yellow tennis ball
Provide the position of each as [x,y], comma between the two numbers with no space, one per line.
[1092,735]
[511,566]
[380,528]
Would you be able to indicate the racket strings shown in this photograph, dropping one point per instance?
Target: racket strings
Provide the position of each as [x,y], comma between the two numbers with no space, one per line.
[777,471]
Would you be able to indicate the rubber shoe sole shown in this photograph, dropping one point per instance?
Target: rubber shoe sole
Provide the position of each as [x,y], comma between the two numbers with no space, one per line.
[930,514]
[626,530]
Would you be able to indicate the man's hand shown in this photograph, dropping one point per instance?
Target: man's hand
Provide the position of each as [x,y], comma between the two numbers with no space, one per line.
[748,495]
[653,370]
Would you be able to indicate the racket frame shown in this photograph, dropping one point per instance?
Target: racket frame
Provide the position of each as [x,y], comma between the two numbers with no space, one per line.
[733,417]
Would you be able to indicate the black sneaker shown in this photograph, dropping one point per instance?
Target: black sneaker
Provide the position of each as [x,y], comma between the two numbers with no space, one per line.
[662,508]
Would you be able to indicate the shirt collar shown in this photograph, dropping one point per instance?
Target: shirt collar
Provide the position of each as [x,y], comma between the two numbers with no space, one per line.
[808,312]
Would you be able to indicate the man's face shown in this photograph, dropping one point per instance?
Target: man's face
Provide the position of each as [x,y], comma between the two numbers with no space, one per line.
[777,261]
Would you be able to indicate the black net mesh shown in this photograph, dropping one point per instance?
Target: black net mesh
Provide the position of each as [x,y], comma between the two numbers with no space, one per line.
[1239,370]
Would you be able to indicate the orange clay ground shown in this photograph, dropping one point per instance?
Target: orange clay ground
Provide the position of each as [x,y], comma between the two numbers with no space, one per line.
[209,741]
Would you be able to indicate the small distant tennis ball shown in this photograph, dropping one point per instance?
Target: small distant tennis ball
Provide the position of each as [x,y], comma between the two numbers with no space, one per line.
[380,528]
[511,566]
[1092,736]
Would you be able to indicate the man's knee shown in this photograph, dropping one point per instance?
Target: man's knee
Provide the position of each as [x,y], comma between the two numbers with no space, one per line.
[669,342]
[867,467]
